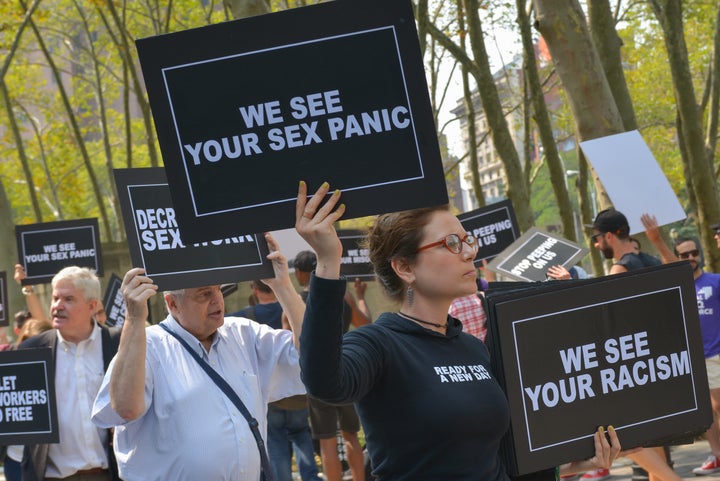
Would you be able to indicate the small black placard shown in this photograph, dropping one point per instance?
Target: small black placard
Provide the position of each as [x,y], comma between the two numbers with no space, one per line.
[28,413]
[623,350]
[114,303]
[46,248]
[355,261]
[4,309]
[530,256]
[243,116]
[495,227]
[156,245]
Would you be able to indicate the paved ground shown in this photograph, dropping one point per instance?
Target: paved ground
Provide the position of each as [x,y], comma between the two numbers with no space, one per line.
[686,458]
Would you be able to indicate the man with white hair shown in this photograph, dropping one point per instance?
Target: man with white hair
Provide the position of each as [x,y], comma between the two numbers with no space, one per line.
[172,421]
[82,350]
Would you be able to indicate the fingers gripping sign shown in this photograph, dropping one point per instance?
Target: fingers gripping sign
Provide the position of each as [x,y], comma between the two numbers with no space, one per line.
[137,288]
[279,263]
[314,223]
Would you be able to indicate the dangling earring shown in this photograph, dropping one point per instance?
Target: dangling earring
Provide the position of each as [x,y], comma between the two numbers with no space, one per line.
[410,295]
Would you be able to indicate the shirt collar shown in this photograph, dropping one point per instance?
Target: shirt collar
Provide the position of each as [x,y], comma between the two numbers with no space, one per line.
[193,341]
[94,334]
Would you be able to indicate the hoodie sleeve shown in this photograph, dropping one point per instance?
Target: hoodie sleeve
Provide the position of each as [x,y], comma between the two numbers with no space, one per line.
[333,370]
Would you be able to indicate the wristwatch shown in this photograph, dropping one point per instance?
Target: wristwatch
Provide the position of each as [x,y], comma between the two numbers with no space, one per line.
[27,290]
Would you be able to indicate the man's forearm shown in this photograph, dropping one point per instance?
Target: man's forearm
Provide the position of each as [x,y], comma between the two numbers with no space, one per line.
[293,307]
[127,381]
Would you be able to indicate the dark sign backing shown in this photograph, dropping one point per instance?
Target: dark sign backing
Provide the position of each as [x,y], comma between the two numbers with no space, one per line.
[355,260]
[4,310]
[114,303]
[28,413]
[243,116]
[495,227]
[46,248]
[621,350]
[156,245]
[530,256]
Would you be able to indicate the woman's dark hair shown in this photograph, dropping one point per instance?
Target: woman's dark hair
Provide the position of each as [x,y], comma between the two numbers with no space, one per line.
[397,236]
[21,317]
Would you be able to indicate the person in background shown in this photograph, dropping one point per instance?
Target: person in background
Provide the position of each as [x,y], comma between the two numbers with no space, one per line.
[172,422]
[82,350]
[707,289]
[31,298]
[12,455]
[611,236]
[416,427]
[288,427]
[325,419]
[20,318]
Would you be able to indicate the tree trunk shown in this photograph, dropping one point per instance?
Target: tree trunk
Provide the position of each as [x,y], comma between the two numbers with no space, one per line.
[562,25]
[542,120]
[80,142]
[247,8]
[20,147]
[608,44]
[518,189]
[121,41]
[103,124]
[669,13]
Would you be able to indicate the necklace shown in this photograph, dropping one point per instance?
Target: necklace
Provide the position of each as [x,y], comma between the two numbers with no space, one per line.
[411,318]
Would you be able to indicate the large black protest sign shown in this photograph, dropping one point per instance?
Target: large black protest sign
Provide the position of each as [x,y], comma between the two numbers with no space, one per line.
[28,413]
[4,316]
[155,242]
[114,303]
[530,256]
[46,248]
[355,260]
[622,350]
[243,116]
[494,226]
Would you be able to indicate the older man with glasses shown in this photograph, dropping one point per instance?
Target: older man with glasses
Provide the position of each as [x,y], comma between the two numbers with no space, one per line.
[707,288]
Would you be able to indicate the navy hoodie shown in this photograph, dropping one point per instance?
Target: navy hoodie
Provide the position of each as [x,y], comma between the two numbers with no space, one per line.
[428,404]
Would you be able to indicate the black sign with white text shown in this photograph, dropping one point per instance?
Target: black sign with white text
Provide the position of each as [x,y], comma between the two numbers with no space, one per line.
[28,413]
[494,226]
[623,350]
[237,135]
[530,256]
[114,303]
[4,310]
[355,260]
[155,242]
[46,248]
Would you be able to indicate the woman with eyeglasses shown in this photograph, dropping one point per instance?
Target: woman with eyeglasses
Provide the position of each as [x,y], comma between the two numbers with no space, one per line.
[429,405]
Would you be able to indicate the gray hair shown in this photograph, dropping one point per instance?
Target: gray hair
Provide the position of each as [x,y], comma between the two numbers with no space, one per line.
[177,293]
[82,278]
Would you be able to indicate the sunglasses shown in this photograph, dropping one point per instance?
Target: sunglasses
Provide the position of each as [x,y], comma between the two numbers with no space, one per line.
[594,237]
[453,243]
[688,254]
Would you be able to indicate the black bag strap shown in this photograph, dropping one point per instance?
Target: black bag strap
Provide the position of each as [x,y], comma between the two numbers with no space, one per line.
[232,395]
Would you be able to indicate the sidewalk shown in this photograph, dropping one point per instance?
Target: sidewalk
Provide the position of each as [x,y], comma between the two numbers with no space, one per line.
[686,458]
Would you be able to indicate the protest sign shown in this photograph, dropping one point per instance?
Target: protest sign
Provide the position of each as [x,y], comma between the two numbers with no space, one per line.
[355,262]
[28,413]
[530,256]
[623,350]
[237,136]
[4,310]
[633,179]
[114,303]
[156,243]
[48,247]
[494,226]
